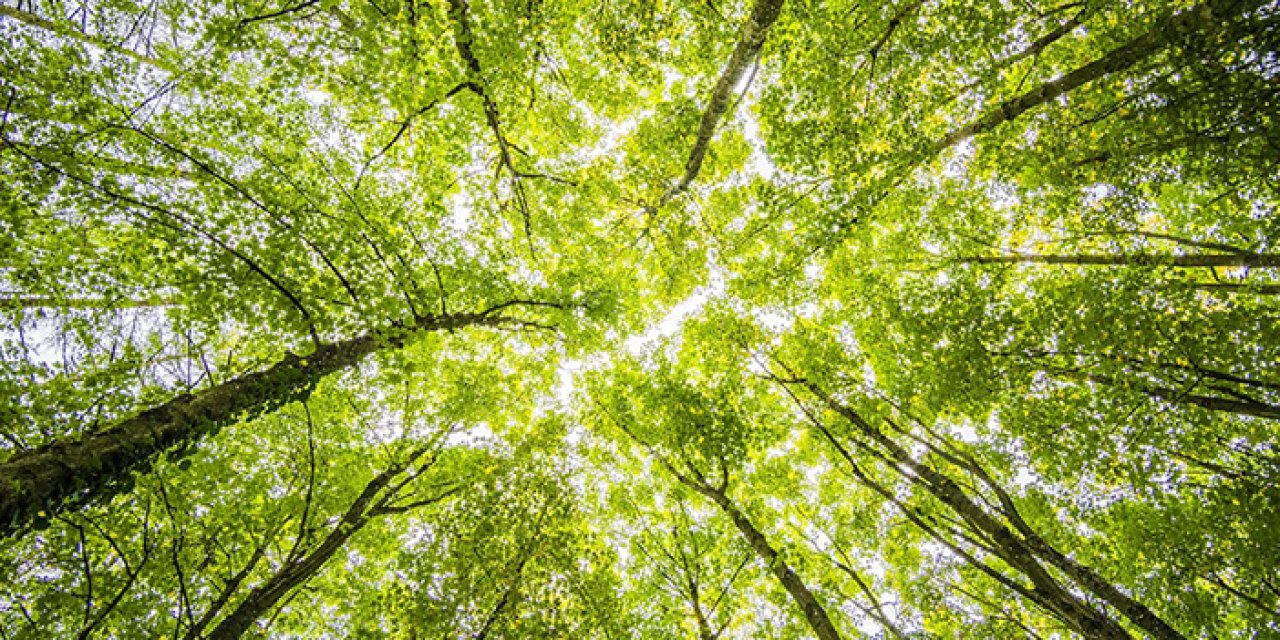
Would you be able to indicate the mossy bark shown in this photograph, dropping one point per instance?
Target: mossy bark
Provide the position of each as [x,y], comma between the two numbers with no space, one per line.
[37,483]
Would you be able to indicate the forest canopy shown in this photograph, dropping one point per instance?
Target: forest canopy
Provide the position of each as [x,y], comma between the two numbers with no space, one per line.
[639,319]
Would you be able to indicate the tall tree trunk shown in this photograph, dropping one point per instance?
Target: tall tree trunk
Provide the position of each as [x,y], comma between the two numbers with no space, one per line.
[1239,287]
[463,38]
[1019,552]
[814,613]
[763,14]
[1185,261]
[1045,591]
[1243,407]
[196,631]
[1139,365]
[1197,22]
[296,572]
[85,468]
[17,301]
[504,600]
[704,625]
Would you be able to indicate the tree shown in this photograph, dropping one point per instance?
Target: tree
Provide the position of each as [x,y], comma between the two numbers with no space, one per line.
[705,466]
[565,318]
[40,480]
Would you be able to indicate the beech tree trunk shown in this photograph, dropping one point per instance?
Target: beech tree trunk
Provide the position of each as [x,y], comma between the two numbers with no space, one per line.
[1186,261]
[1045,591]
[1197,22]
[1242,407]
[96,465]
[1239,287]
[296,572]
[763,14]
[1020,552]
[46,302]
[813,611]
[68,31]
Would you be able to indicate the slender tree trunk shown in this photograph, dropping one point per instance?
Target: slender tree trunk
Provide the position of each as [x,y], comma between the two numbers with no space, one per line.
[1198,22]
[1038,47]
[91,466]
[115,165]
[1030,51]
[1176,239]
[296,572]
[68,31]
[513,587]
[1242,407]
[704,626]
[1019,551]
[1187,261]
[763,14]
[1144,365]
[14,301]
[1135,611]
[814,613]
[1239,287]
[463,38]
[876,610]
[1045,591]
[1213,403]
[224,596]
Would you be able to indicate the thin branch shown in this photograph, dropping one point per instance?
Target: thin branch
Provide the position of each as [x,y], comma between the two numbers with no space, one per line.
[276,14]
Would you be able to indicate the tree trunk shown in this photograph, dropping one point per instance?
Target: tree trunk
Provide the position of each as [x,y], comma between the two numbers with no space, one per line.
[1242,407]
[196,631]
[1214,403]
[69,31]
[294,573]
[1135,611]
[813,611]
[1245,288]
[1186,261]
[1018,552]
[37,483]
[16,301]
[763,15]
[1197,22]
[463,38]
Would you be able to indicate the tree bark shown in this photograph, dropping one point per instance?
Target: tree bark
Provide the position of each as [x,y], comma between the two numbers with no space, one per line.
[1239,287]
[763,14]
[463,37]
[294,573]
[17,301]
[1242,407]
[1185,261]
[84,469]
[1198,22]
[1020,552]
[68,31]
[196,631]
[813,611]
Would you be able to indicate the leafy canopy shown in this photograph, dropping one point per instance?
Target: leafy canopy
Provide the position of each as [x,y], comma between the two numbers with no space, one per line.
[565,318]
